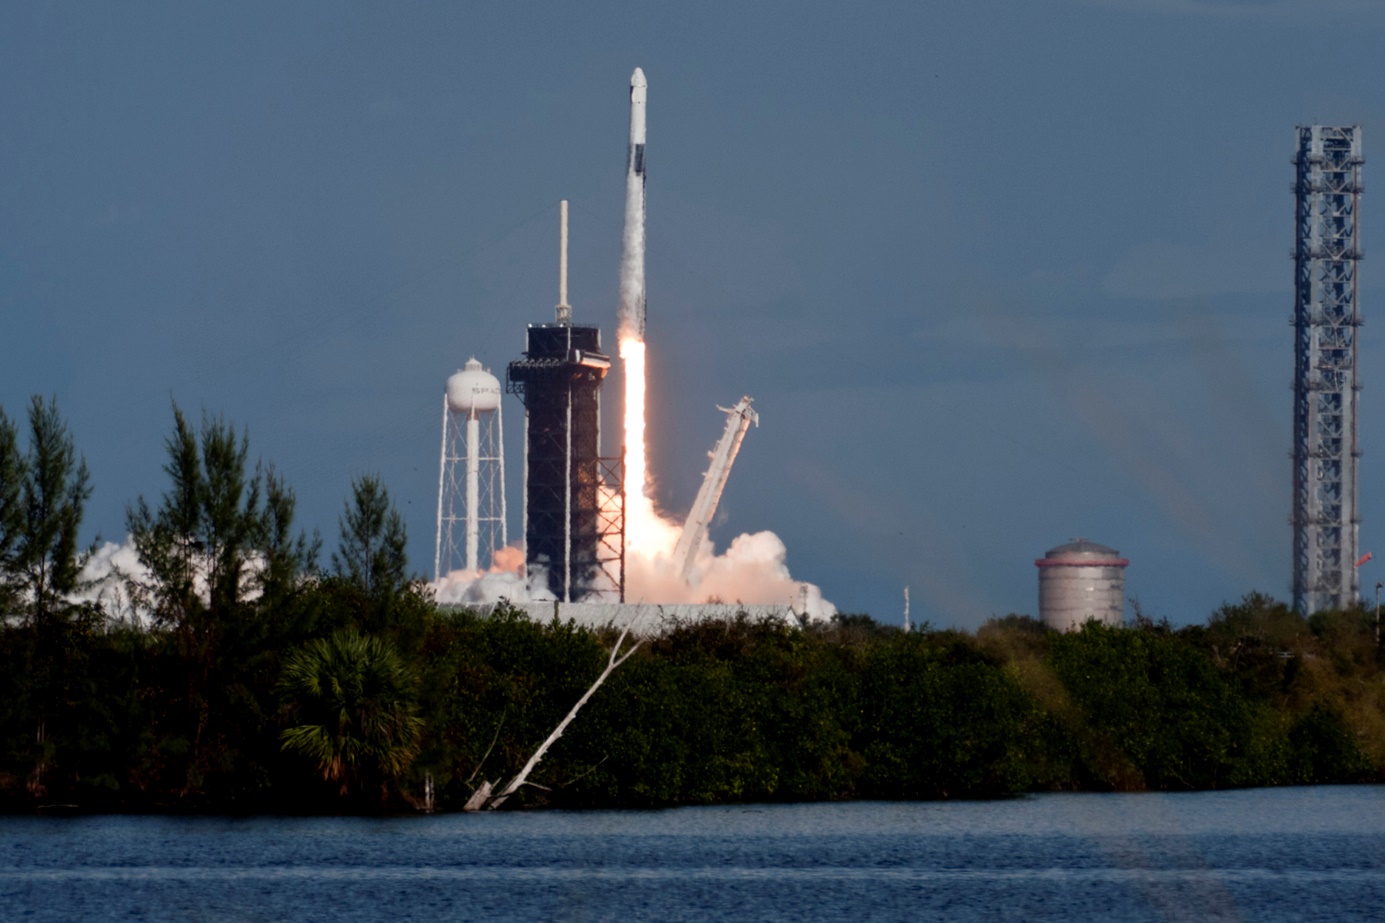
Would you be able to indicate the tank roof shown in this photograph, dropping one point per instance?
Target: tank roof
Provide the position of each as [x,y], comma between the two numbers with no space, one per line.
[1081,553]
[1082,546]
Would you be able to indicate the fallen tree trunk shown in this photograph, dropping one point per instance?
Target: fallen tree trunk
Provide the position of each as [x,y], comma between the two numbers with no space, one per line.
[481,796]
[478,798]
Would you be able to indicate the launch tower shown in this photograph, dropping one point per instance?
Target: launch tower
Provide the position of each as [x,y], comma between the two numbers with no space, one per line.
[1326,318]
[573,529]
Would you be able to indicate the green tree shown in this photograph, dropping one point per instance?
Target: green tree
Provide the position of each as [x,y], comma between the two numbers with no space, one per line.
[221,534]
[1155,711]
[217,548]
[42,497]
[352,701]
[371,570]
[286,555]
[43,493]
[1322,748]
[373,540]
[198,543]
[11,520]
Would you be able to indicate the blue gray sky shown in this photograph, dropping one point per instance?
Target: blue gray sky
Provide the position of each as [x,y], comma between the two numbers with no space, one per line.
[998,273]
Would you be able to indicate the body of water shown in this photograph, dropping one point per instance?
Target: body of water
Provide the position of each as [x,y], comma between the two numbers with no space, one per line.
[1265,854]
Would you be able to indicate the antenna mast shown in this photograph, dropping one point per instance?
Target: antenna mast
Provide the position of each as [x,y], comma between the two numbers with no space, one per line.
[564,309]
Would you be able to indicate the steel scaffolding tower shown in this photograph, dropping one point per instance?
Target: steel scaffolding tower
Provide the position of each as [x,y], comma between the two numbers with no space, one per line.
[559,380]
[1326,315]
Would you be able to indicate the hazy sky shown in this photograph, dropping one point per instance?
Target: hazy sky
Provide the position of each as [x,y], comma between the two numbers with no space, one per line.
[998,274]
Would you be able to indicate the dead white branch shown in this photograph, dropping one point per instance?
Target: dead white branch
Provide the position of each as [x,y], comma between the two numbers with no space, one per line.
[477,801]
[615,660]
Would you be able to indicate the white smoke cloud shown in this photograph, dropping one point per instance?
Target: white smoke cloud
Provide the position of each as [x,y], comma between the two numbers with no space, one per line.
[504,580]
[104,579]
[753,570]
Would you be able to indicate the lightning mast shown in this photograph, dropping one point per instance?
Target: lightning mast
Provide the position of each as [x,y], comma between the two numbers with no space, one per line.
[1326,317]
[570,511]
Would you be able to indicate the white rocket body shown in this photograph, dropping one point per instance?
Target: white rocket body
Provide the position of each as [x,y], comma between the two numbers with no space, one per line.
[632,255]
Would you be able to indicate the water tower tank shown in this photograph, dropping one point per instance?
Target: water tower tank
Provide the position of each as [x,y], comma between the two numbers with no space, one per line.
[1081,581]
[473,390]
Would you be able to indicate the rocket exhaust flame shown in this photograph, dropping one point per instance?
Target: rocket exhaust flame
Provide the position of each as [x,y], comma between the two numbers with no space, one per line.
[637,505]
[647,534]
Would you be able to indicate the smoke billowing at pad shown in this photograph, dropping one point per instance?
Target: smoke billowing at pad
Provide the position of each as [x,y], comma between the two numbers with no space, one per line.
[503,580]
[752,571]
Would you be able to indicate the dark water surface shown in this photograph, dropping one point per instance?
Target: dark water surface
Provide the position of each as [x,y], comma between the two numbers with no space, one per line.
[1265,854]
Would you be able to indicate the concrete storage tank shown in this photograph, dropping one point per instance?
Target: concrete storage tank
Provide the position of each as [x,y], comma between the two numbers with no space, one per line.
[1081,581]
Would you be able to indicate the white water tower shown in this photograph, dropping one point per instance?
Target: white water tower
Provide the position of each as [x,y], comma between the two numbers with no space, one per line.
[471,477]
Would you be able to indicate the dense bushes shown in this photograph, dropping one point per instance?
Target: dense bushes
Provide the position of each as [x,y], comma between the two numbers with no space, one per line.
[703,713]
[257,682]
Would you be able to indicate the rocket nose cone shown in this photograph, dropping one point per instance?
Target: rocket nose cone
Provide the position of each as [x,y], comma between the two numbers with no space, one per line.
[637,78]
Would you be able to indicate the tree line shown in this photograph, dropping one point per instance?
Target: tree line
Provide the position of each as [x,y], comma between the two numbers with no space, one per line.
[257,678]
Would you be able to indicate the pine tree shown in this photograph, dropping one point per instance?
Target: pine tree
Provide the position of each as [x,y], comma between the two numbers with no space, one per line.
[11,521]
[372,554]
[220,551]
[43,495]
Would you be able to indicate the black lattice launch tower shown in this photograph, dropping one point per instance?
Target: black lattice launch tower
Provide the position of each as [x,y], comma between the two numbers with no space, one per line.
[574,523]
[1326,318]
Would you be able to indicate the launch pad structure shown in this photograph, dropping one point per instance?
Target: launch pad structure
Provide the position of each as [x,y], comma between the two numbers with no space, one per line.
[574,525]
[1326,318]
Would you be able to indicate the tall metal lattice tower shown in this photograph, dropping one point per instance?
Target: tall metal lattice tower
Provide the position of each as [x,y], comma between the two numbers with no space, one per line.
[574,509]
[1326,317]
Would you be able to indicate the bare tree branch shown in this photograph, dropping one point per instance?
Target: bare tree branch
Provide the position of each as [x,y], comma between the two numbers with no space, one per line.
[611,663]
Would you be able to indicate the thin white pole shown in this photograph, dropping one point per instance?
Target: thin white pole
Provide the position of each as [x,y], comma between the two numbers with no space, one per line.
[473,487]
[564,309]
[500,423]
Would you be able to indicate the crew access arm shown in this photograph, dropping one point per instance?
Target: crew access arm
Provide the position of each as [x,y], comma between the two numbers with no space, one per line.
[738,420]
